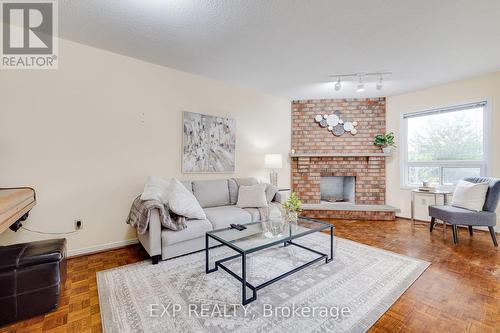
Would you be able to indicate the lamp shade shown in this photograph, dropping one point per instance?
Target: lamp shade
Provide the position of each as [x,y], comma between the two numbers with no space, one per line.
[273,161]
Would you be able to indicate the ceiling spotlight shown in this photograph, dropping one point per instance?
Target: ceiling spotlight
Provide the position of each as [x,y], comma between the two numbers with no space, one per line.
[379,83]
[338,85]
[361,86]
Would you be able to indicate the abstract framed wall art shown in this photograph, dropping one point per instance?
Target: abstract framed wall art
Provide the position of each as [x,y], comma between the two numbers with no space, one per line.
[209,143]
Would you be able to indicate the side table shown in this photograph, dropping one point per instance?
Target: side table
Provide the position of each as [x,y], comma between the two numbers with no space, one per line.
[435,193]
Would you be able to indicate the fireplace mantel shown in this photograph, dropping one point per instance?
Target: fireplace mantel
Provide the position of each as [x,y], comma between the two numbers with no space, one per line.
[297,155]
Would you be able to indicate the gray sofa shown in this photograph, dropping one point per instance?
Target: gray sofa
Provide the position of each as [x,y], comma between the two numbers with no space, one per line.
[218,199]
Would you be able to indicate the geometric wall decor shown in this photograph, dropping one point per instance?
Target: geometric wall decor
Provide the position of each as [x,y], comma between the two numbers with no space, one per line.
[335,124]
[209,143]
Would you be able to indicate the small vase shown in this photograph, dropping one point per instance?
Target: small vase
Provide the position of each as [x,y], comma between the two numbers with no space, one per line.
[386,150]
[292,216]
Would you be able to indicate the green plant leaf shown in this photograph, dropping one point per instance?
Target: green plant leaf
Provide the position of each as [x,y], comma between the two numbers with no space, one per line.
[384,140]
[293,203]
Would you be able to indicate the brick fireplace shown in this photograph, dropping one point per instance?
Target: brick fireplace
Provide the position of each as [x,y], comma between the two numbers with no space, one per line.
[368,171]
[317,153]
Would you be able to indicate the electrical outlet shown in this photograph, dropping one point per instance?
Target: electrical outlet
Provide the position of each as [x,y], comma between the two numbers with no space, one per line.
[78,224]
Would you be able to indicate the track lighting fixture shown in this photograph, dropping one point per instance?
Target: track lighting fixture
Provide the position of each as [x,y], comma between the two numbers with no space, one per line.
[361,79]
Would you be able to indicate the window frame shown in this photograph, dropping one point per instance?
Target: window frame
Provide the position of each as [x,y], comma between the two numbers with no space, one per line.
[484,164]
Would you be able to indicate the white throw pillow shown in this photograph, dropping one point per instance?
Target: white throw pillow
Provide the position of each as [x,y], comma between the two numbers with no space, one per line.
[183,203]
[470,195]
[253,196]
[156,189]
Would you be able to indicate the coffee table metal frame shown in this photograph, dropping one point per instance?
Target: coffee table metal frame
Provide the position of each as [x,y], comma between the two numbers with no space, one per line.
[243,254]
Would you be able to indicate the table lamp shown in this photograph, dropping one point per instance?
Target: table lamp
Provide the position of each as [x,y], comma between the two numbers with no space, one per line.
[273,162]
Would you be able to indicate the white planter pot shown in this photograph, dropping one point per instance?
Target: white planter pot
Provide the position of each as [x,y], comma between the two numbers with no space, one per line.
[386,150]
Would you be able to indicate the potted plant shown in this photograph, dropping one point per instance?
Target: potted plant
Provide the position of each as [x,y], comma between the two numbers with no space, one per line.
[292,207]
[386,141]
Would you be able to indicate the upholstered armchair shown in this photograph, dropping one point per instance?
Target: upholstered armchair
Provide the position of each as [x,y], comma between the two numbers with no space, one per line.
[461,216]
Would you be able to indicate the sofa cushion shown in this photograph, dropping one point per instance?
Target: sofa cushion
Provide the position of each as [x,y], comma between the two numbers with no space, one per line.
[188,185]
[222,217]
[233,191]
[462,216]
[246,181]
[195,229]
[254,213]
[211,193]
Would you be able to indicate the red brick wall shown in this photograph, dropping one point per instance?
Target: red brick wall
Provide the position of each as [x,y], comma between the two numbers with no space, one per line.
[309,137]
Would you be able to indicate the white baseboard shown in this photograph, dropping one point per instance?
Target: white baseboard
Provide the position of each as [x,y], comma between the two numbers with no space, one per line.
[102,247]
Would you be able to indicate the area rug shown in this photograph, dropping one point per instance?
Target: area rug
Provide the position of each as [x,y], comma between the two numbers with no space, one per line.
[346,295]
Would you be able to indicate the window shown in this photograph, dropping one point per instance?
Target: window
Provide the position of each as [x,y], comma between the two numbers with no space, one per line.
[444,145]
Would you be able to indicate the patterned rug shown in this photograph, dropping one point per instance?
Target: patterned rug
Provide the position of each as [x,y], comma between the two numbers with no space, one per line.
[346,295]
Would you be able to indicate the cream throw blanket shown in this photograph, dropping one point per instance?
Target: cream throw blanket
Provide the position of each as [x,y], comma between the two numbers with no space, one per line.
[140,213]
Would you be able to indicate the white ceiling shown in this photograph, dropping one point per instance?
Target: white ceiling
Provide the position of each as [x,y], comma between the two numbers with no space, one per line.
[289,47]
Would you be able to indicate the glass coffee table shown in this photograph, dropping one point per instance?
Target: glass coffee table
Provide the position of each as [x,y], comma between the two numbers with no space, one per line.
[262,235]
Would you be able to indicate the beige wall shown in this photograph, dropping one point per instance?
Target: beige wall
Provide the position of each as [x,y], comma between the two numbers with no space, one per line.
[87,135]
[478,88]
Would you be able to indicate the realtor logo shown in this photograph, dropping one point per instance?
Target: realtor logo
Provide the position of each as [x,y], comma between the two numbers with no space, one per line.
[29,34]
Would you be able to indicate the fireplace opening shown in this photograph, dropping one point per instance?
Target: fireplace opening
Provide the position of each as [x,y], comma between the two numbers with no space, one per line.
[338,189]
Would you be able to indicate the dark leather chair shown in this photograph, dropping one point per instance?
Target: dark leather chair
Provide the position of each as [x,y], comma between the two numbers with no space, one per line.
[461,216]
[31,278]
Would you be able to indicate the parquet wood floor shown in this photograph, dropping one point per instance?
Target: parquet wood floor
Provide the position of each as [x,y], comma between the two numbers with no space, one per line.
[459,292]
